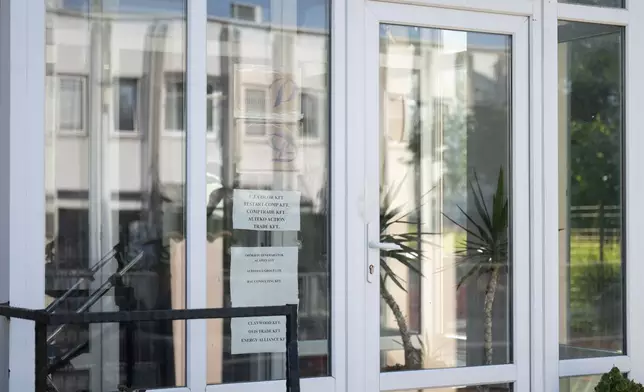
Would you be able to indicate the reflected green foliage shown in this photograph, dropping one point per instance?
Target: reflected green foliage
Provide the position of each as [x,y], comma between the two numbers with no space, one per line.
[595,293]
[594,89]
[595,105]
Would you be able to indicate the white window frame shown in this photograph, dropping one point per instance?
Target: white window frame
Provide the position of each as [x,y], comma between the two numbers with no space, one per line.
[22,211]
[633,361]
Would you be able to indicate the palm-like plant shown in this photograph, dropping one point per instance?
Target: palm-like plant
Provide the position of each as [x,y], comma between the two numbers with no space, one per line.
[409,256]
[485,251]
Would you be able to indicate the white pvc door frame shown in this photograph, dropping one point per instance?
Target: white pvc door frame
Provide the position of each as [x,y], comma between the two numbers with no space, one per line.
[518,372]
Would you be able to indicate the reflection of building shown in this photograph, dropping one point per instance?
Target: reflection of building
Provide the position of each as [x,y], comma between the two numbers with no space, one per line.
[116,169]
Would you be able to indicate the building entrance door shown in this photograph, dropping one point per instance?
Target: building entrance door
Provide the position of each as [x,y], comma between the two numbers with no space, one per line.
[447,193]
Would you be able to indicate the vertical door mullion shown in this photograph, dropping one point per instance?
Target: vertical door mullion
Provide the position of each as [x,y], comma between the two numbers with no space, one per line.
[355,192]
[339,164]
[196,359]
[634,161]
[537,210]
[550,215]
[520,205]
[22,182]
[372,185]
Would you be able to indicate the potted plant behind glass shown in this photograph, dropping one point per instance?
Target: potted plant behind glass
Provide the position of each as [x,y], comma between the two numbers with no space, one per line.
[485,251]
[409,256]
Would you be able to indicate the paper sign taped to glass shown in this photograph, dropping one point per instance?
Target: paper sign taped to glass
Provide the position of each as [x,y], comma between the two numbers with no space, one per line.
[268,147]
[262,276]
[262,210]
[263,92]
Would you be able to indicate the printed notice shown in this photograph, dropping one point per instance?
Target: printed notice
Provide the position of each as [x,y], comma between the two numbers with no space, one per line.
[263,276]
[258,335]
[266,210]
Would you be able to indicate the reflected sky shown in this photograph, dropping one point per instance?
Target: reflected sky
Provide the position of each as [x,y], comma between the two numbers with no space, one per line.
[451,40]
[310,13]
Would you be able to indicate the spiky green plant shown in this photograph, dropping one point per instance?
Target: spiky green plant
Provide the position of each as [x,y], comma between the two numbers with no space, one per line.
[485,251]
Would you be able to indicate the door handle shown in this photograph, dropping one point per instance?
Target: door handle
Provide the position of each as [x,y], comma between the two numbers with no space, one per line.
[384,246]
[371,269]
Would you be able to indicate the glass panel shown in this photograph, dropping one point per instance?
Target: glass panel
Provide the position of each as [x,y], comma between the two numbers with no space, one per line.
[579,384]
[445,169]
[268,183]
[591,262]
[600,3]
[115,205]
[473,388]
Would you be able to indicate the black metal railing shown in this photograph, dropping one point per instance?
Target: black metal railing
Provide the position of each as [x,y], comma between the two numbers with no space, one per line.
[43,319]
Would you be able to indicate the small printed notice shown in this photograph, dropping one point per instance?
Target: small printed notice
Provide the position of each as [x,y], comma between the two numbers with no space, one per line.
[262,276]
[258,335]
[266,210]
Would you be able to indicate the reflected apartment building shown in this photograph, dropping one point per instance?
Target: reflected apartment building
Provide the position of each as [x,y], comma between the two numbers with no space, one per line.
[116,175]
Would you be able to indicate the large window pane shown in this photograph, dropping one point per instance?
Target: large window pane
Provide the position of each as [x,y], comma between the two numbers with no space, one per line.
[445,170]
[591,128]
[114,203]
[601,3]
[269,65]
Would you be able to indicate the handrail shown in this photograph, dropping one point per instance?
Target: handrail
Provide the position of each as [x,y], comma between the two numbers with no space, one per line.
[43,319]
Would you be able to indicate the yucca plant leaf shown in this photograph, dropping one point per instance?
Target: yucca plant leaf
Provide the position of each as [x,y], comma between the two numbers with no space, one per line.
[479,204]
[394,278]
[404,261]
[472,271]
[420,205]
[484,234]
[478,186]
[468,231]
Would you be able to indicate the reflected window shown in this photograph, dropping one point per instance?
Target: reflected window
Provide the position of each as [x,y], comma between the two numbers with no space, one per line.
[599,3]
[246,12]
[256,101]
[71,102]
[591,129]
[125,107]
[174,107]
[473,388]
[214,107]
[175,110]
[310,114]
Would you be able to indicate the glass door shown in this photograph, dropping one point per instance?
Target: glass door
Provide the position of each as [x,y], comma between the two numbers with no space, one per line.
[448,195]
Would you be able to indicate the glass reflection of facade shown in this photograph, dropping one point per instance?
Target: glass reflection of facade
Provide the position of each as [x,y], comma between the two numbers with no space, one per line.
[116,175]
